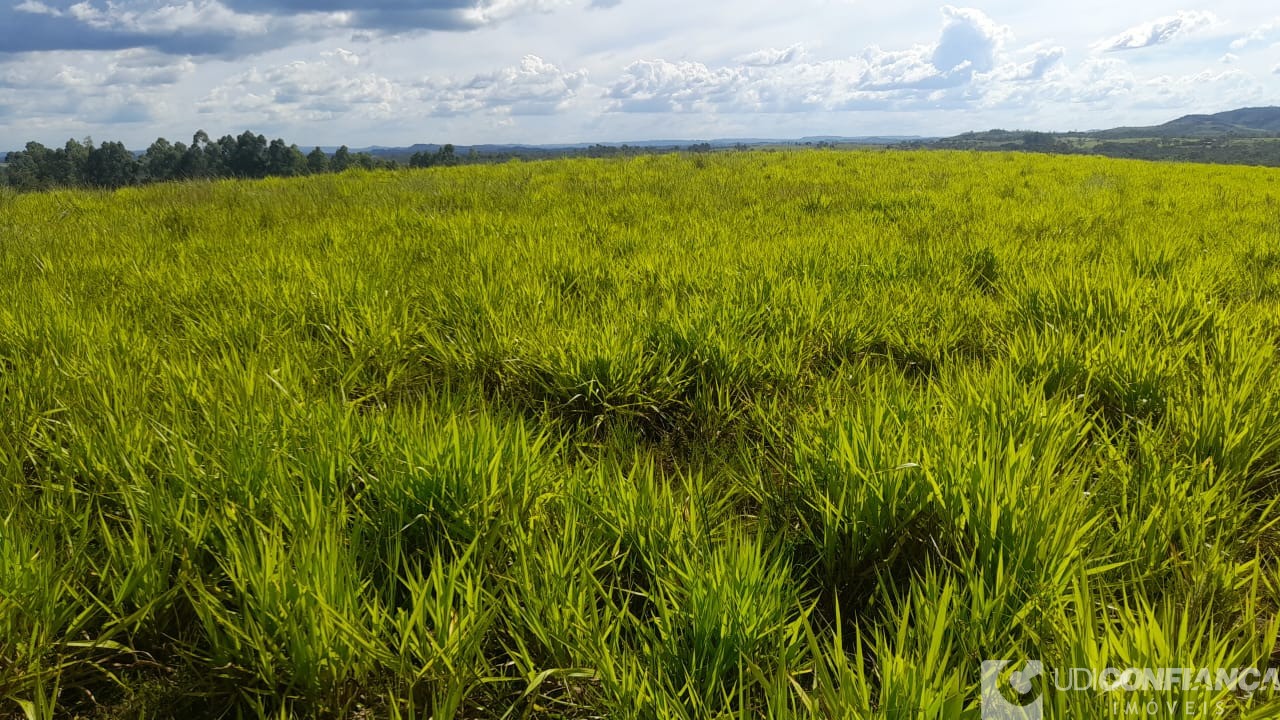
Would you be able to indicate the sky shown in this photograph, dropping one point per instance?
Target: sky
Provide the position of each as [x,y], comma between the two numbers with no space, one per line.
[399,72]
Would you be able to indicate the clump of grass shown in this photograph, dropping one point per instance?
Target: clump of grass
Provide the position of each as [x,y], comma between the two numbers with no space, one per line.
[983,268]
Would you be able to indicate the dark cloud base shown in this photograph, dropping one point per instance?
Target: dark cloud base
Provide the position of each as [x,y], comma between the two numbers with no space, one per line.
[53,26]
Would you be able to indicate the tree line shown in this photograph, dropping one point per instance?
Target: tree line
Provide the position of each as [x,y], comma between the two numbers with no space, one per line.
[110,165]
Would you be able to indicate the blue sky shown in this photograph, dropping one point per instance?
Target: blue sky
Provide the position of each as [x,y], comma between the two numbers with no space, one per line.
[396,72]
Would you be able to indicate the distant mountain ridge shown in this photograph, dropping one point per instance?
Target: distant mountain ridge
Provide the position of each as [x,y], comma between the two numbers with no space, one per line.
[1254,122]
[554,149]
[1244,122]
[1245,136]
[499,148]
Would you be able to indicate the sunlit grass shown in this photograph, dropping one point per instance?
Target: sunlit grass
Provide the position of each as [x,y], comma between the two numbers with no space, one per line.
[802,434]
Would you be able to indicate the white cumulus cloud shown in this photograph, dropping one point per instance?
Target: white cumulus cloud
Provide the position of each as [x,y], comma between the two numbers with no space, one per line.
[35,7]
[308,89]
[1262,33]
[936,74]
[968,36]
[1159,32]
[772,56]
[534,87]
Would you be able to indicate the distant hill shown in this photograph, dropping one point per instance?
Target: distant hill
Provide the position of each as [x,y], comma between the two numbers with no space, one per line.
[1247,136]
[1245,122]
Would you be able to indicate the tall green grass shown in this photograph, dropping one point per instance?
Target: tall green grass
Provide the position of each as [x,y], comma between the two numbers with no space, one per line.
[798,435]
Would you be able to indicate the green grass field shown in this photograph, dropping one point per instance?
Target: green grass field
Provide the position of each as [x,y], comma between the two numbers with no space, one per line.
[803,434]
